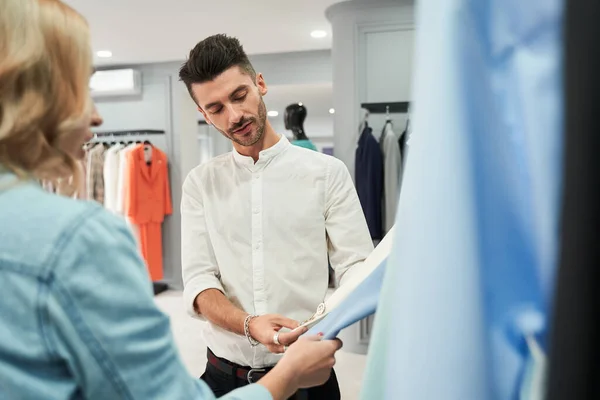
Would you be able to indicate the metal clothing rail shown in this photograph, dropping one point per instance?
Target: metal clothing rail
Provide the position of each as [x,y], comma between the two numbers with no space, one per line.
[130,133]
[383,108]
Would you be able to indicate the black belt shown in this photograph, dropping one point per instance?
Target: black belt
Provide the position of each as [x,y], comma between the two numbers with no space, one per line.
[251,375]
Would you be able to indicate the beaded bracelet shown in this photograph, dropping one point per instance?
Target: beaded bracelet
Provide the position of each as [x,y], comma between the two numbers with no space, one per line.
[253,342]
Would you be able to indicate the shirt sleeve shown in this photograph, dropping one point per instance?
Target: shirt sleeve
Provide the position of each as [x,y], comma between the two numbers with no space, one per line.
[348,238]
[101,319]
[199,265]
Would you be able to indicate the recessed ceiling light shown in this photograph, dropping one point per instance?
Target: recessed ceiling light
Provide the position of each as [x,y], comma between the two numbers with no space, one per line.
[104,53]
[272,113]
[332,111]
[300,104]
[318,34]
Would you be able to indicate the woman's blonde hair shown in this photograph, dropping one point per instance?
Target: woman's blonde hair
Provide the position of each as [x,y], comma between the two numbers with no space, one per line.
[45,67]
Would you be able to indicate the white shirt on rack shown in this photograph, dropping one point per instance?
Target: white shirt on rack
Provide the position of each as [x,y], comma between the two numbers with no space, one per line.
[122,178]
[392,171]
[261,233]
[111,177]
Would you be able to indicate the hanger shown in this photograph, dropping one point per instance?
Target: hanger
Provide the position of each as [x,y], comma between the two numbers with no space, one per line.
[147,143]
[364,122]
[388,119]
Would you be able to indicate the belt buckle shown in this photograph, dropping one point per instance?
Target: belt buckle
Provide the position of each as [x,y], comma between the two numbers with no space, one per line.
[254,370]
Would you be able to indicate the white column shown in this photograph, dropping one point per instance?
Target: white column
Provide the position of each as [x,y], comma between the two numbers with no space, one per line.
[183,136]
[372,57]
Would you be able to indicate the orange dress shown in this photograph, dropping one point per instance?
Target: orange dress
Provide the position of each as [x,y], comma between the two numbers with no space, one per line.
[147,200]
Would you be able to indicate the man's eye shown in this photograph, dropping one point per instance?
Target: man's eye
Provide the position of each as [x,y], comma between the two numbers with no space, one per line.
[216,111]
[240,98]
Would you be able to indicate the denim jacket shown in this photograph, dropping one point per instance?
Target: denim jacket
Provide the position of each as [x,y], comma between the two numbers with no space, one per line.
[78,318]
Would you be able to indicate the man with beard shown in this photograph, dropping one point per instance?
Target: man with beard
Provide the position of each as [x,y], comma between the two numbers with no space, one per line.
[259,225]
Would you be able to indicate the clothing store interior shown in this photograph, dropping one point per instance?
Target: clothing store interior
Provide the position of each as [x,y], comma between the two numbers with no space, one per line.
[315,100]
[420,201]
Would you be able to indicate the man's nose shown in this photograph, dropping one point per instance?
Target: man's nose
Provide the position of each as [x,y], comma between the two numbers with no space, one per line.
[234,116]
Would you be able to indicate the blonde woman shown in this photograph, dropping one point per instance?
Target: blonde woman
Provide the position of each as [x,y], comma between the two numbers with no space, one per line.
[78,318]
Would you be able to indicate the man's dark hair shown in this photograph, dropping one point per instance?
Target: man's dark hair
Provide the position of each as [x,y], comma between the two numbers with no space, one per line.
[213,56]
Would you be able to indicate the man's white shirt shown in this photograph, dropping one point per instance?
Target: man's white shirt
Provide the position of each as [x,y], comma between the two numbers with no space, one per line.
[262,232]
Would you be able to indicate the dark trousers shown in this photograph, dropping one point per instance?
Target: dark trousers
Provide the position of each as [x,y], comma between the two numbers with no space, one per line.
[222,383]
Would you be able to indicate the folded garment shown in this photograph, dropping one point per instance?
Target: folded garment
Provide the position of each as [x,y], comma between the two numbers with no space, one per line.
[358,305]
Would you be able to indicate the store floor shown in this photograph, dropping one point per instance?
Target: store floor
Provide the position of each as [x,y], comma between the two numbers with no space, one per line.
[349,367]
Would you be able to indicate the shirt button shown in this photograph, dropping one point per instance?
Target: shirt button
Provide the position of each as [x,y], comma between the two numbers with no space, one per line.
[256,211]
[256,177]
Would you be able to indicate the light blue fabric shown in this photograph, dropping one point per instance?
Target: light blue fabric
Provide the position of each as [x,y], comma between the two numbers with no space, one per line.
[474,258]
[77,308]
[359,304]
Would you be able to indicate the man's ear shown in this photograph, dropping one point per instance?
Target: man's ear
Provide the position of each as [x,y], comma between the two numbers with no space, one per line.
[261,84]
[205,116]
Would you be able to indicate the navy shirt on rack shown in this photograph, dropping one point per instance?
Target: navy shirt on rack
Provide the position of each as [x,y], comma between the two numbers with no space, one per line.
[369,180]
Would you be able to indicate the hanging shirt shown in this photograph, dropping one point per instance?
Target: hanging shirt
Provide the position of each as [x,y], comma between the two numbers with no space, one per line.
[95,173]
[470,279]
[122,178]
[261,233]
[369,180]
[111,177]
[306,143]
[392,170]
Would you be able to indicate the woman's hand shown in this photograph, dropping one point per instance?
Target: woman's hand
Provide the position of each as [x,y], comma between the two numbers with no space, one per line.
[307,363]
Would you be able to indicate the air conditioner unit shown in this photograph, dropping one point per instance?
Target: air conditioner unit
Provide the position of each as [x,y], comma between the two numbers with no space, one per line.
[116,82]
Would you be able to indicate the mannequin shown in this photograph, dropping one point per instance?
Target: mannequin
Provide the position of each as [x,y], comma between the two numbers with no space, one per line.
[294,117]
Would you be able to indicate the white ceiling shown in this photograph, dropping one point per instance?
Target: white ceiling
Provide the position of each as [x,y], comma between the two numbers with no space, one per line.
[145,31]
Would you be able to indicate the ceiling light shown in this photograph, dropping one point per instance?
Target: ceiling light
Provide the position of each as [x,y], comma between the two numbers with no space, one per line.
[332,111]
[318,34]
[300,104]
[104,53]
[272,113]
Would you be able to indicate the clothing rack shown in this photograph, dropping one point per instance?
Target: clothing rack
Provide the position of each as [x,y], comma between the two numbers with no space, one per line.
[383,108]
[158,287]
[139,132]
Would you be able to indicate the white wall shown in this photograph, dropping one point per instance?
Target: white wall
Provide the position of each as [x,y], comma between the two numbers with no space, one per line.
[294,68]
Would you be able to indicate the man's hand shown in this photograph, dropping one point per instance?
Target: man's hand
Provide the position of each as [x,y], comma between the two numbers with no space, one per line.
[263,329]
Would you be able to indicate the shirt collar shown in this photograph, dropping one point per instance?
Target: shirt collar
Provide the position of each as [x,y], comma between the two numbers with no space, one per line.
[265,155]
